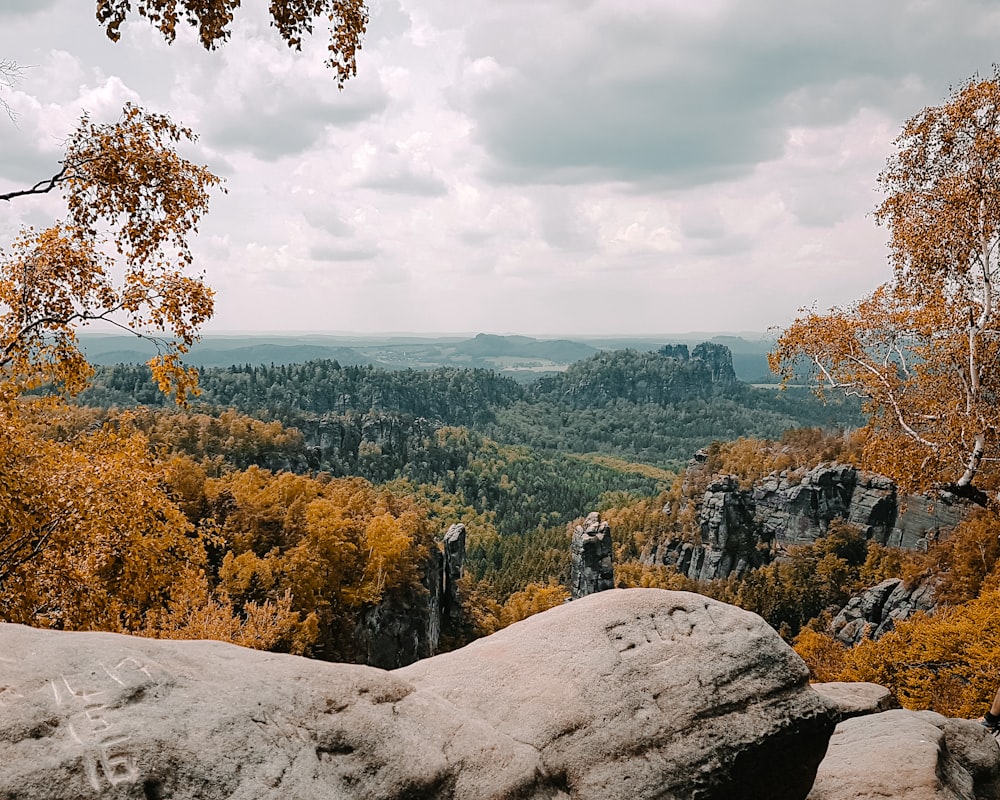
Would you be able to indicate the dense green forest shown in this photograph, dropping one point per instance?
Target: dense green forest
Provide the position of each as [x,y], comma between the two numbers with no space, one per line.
[649,407]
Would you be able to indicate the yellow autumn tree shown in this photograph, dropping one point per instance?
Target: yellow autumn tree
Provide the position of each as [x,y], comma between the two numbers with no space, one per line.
[89,538]
[120,256]
[334,547]
[922,350]
[532,599]
[948,662]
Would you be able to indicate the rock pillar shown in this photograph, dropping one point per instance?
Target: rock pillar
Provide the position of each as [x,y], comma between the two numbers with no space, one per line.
[454,567]
[591,561]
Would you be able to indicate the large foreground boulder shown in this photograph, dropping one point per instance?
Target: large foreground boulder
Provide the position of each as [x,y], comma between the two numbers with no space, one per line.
[645,693]
[917,755]
[624,694]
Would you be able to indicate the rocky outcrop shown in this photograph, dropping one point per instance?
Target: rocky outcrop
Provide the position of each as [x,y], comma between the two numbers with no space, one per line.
[877,610]
[857,699]
[742,527]
[591,557]
[571,703]
[453,567]
[407,624]
[917,755]
[794,511]
[922,520]
[728,529]
[404,627]
[718,359]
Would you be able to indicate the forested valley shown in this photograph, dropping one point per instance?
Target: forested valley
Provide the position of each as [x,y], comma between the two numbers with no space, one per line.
[290,499]
[260,458]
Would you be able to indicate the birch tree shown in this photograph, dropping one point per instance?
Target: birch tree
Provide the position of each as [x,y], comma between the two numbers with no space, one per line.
[212,19]
[922,350]
[120,256]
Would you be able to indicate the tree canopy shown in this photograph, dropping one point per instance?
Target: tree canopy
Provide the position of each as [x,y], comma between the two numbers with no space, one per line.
[922,350]
[293,19]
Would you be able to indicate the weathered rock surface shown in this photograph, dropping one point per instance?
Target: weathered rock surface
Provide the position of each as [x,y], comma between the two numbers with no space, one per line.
[624,694]
[876,611]
[917,755]
[857,699]
[677,697]
[726,524]
[591,558]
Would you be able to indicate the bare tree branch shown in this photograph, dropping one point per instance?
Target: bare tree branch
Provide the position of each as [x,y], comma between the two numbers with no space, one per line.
[10,74]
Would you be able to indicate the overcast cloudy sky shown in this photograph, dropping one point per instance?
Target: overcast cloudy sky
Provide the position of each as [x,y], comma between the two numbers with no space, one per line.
[532,166]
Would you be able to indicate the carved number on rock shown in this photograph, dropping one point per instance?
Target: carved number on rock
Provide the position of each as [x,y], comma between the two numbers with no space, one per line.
[97,727]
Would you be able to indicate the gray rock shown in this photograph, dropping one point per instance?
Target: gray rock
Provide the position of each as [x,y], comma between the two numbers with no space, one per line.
[404,627]
[623,694]
[917,755]
[780,510]
[857,699]
[452,571]
[591,557]
[877,610]
[923,520]
[873,506]
[96,715]
[694,698]
[727,528]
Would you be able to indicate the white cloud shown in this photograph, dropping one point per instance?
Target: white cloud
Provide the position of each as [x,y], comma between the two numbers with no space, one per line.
[565,166]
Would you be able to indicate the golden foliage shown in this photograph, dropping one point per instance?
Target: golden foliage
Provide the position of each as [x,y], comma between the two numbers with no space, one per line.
[966,558]
[120,256]
[88,538]
[948,662]
[532,599]
[633,575]
[921,350]
[332,546]
[193,612]
[348,20]
[824,656]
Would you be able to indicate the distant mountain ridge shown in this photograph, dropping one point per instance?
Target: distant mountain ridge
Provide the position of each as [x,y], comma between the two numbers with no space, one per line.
[516,356]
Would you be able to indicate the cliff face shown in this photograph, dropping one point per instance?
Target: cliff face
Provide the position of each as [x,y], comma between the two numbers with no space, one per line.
[407,625]
[742,528]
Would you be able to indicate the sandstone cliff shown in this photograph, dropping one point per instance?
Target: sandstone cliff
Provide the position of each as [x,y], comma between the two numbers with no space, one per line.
[743,528]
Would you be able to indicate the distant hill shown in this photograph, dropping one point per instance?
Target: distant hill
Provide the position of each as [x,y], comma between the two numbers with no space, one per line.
[561,351]
[221,352]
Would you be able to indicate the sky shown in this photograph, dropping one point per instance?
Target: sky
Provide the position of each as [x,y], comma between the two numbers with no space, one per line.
[542,167]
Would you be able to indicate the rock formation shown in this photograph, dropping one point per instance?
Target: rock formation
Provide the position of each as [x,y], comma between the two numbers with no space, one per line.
[876,610]
[453,567]
[623,694]
[728,531]
[857,699]
[741,528]
[591,557]
[407,624]
[718,359]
